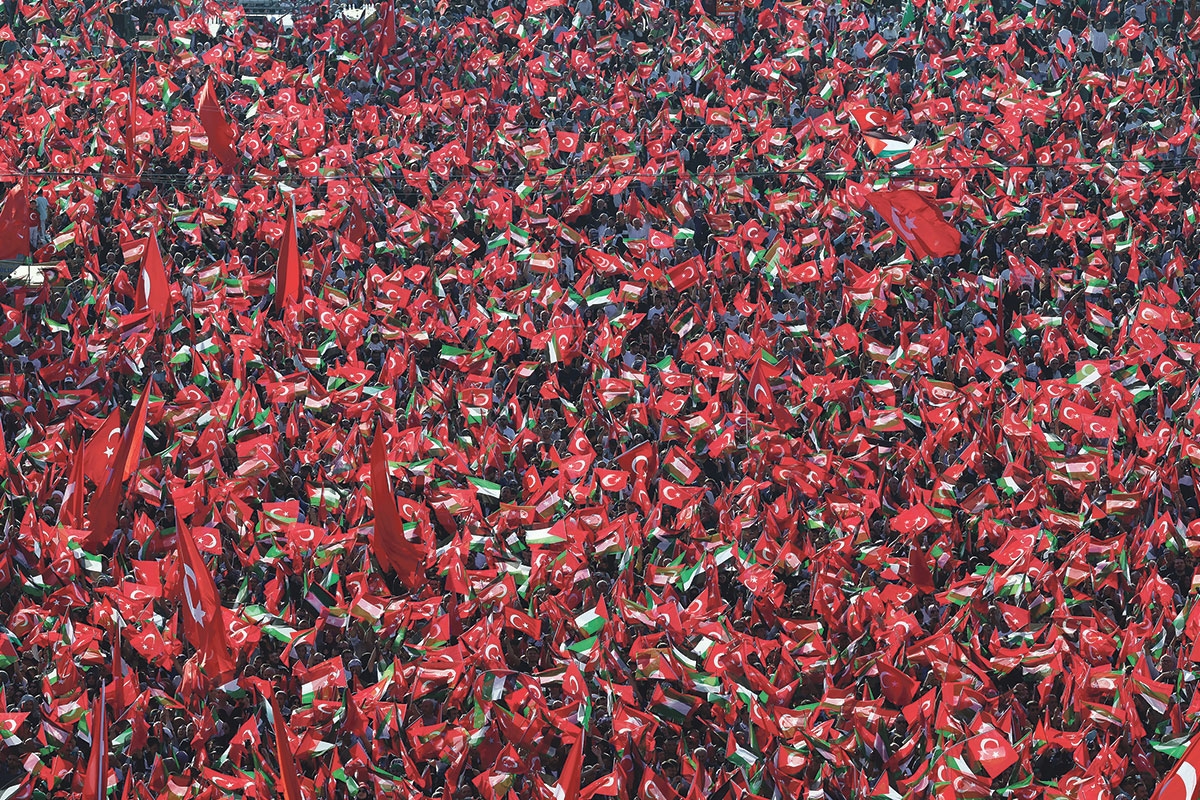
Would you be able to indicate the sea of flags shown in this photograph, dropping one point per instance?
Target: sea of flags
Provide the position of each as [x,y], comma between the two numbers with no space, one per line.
[521,406]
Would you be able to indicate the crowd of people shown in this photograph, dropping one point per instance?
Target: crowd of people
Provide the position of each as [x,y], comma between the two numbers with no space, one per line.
[711,485]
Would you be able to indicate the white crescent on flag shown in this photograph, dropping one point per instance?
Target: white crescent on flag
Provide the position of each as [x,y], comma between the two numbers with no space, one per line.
[907,228]
[191,594]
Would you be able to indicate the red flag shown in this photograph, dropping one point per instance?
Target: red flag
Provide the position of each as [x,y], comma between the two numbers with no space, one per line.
[760,387]
[124,692]
[1180,783]
[686,275]
[869,118]
[918,222]
[919,574]
[470,131]
[288,280]
[393,550]
[152,292]
[568,780]
[203,618]
[14,224]
[102,513]
[640,461]
[993,752]
[387,37]
[914,519]
[220,132]
[95,782]
[131,441]
[566,141]
[71,512]
[100,449]
[131,120]
[897,686]
[283,751]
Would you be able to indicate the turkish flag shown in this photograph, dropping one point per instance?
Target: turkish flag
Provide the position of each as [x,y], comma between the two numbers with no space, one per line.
[100,449]
[611,480]
[102,513]
[869,118]
[919,574]
[131,120]
[686,275]
[283,751]
[220,132]
[567,142]
[568,779]
[992,751]
[760,387]
[918,222]
[14,224]
[519,620]
[1180,783]
[897,686]
[288,279]
[394,551]
[124,684]
[95,781]
[203,619]
[71,512]
[913,520]
[641,460]
[152,292]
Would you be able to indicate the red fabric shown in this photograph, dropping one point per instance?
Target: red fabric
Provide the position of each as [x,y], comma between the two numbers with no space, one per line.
[101,448]
[919,574]
[216,125]
[918,222]
[992,751]
[14,224]
[102,513]
[568,781]
[288,776]
[71,513]
[95,780]
[289,283]
[153,293]
[131,121]
[203,617]
[394,551]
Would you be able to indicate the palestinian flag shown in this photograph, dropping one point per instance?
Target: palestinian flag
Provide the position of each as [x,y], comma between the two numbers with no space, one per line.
[885,147]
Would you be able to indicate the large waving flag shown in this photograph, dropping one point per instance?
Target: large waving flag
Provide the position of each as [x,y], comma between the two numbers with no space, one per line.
[203,619]
[102,447]
[71,510]
[95,781]
[131,121]
[918,222]
[152,292]
[216,125]
[288,776]
[288,277]
[394,551]
[568,781]
[102,513]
